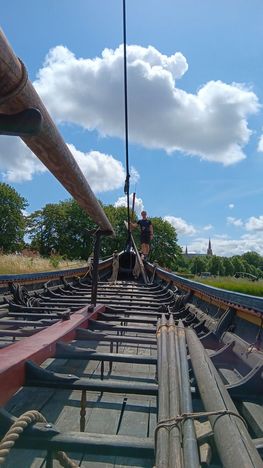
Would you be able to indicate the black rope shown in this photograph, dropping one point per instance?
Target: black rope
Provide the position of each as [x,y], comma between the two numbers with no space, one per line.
[170,423]
[127,181]
[257,342]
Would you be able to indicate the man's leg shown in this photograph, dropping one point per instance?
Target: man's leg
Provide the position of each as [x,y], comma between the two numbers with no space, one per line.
[145,248]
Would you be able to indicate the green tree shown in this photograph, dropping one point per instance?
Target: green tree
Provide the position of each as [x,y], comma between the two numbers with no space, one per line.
[216,266]
[258,272]
[63,227]
[253,258]
[228,266]
[164,247]
[238,264]
[199,265]
[117,216]
[12,227]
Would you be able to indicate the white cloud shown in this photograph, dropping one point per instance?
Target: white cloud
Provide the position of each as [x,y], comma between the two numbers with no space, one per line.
[211,124]
[19,164]
[221,236]
[260,144]
[227,247]
[234,221]
[135,176]
[180,225]
[102,171]
[231,206]
[254,224]
[122,201]
[25,213]
[208,227]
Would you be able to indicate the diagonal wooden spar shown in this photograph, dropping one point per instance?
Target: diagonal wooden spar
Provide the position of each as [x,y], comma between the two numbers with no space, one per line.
[16,94]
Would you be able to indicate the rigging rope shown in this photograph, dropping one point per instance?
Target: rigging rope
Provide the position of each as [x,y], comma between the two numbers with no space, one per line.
[170,423]
[127,180]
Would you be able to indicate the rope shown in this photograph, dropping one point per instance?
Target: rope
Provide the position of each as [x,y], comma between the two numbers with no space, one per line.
[256,344]
[115,267]
[160,327]
[19,87]
[127,180]
[168,329]
[9,440]
[173,422]
[89,268]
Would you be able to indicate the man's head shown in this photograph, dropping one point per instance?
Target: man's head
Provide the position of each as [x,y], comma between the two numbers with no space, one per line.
[144,214]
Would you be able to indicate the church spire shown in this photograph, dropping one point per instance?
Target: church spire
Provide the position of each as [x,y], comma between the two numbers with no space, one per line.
[186,251]
[209,250]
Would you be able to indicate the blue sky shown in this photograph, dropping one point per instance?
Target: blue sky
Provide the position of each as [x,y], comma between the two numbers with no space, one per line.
[195,98]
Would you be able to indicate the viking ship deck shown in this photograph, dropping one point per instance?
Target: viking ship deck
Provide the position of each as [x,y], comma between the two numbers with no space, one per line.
[103,383]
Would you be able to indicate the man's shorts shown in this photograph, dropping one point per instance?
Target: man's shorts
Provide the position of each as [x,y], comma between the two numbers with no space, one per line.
[145,240]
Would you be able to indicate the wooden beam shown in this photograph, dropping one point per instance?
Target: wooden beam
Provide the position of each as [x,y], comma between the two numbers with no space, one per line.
[38,348]
[17,94]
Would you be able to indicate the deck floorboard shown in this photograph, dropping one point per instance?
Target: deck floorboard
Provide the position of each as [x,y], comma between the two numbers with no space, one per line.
[106,413]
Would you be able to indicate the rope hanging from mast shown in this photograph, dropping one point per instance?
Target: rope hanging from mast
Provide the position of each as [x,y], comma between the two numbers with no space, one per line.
[127,180]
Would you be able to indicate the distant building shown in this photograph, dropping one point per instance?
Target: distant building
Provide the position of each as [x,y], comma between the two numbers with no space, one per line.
[192,255]
[209,250]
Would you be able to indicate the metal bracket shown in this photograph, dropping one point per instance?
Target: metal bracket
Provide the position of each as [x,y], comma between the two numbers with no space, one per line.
[25,123]
[35,373]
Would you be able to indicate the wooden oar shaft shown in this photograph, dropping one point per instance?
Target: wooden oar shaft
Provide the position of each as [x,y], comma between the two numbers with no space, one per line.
[16,94]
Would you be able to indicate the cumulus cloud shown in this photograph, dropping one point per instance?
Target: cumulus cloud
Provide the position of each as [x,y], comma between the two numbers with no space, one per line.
[25,213]
[211,124]
[260,144]
[234,221]
[208,227]
[180,225]
[254,224]
[102,171]
[138,207]
[227,247]
[135,176]
[231,206]
[19,164]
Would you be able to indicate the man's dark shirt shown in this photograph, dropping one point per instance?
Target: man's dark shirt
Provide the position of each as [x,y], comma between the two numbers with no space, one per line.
[145,230]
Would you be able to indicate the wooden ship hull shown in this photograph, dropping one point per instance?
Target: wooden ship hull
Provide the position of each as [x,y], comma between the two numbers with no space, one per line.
[160,371]
[168,373]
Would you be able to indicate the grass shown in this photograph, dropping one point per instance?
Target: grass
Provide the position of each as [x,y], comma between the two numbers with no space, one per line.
[16,264]
[254,288]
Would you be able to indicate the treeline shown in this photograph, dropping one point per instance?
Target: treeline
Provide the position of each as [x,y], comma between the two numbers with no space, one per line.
[65,229]
[249,262]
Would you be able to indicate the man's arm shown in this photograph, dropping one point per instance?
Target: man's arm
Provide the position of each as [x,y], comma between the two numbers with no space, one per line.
[151,231]
[133,225]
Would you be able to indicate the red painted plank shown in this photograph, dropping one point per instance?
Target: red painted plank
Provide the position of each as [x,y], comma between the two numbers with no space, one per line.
[37,348]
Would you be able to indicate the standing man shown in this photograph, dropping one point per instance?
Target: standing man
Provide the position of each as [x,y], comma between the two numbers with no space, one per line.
[146,233]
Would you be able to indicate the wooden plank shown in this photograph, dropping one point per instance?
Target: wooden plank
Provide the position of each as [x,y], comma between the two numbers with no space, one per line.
[253,414]
[134,423]
[104,420]
[37,348]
